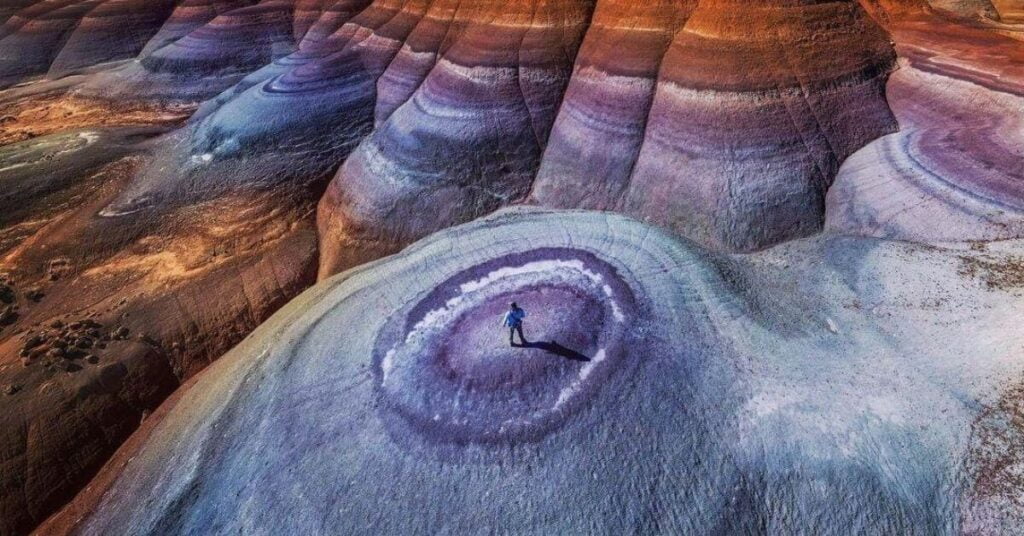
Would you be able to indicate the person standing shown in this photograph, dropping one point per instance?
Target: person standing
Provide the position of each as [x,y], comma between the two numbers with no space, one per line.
[513,320]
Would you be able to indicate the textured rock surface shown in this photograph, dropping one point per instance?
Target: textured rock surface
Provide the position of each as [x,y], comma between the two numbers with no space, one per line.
[968,8]
[678,169]
[109,315]
[752,112]
[464,131]
[327,133]
[832,400]
[958,158]
[100,35]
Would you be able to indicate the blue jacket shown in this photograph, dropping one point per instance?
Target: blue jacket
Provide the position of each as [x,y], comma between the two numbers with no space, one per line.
[513,318]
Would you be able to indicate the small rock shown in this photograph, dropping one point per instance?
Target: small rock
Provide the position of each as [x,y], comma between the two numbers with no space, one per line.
[60,343]
[92,359]
[75,325]
[121,332]
[56,324]
[11,389]
[35,294]
[6,294]
[55,352]
[84,343]
[33,341]
[8,315]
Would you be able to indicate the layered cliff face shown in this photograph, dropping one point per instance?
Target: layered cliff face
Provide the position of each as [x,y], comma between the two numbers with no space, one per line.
[664,128]
[172,172]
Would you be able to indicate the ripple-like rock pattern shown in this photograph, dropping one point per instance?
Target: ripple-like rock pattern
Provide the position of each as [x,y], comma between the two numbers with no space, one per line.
[189,15]
[242,39]
[963,167]
[607,104]
[313,107]
[723,404]
[439,357]
[657,105]
[209,58]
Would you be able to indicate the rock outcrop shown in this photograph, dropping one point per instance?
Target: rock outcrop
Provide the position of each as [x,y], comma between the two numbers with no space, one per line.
[136,247]
[100,35]
[968,8]
[101,318]
[481,80]
[958,165]
[723,404]
[754,108]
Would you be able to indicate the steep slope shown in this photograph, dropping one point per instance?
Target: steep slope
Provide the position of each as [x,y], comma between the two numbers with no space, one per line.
[466,141]
[104,317]
[755,107]
[952,164]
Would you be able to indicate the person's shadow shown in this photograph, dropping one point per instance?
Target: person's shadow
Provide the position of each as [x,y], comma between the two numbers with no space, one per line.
[556,349]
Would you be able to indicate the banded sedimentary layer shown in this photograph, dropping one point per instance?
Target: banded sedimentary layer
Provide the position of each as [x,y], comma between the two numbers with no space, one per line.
[494,92]
[752,112]
[329,133]
[953,172]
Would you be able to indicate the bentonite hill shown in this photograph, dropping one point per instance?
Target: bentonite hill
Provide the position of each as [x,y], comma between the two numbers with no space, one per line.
[254,254]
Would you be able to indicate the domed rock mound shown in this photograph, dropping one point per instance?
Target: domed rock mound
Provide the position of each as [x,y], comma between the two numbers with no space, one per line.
[722,404]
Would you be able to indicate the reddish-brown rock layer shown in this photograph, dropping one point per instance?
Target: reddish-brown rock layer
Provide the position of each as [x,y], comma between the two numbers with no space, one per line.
[110,315]
[189,15]
[722,120]
[607,103]
[101,318]
[100,35]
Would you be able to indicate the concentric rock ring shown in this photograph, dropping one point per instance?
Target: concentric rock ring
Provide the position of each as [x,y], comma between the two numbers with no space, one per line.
[445,354]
